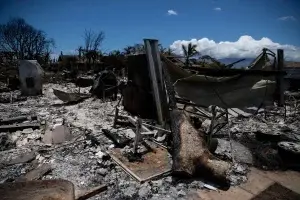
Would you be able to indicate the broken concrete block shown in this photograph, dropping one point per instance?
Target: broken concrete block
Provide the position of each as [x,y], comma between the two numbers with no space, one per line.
[144,191]
[102,171]
[59,134]
[44,114]
[34,135]
[59,121]
[206,124]
[100,154]
[129,133]
[15,136]
[22,142]
[27,131]
[181,193]
[5,142]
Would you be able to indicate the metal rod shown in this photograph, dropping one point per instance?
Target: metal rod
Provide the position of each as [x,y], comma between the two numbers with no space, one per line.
[137,134]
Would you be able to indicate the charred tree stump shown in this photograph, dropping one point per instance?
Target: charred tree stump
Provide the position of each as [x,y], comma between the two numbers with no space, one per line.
[191,156]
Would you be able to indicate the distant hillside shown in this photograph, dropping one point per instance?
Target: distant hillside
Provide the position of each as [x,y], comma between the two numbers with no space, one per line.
[247,61]
[244,63]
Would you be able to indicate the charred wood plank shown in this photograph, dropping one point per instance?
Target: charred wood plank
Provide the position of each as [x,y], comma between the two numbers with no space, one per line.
[17,119]
[91,192]
[119,141]
[36,173]
[16,127]
[22,158]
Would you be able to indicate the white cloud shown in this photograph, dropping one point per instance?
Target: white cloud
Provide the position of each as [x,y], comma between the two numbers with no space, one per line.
[287,18]
[172,12]
[244,47]
[217,9]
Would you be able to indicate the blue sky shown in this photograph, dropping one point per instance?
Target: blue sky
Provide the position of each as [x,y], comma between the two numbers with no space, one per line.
[128,22]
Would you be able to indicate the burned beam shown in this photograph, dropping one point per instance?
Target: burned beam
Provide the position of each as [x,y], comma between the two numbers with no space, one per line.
[22,158]
[16,127]
[91,192]
[17,119]
[36,174]
[117,140]
[133,121]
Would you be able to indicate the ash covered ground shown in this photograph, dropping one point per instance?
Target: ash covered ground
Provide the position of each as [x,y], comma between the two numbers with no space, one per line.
[85,163]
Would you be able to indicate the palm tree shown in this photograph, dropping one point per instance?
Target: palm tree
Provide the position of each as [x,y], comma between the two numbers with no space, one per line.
[139,48]
[128,50]
[92,56]
[135,49]
[161,49]
[189,51]
[115,53]
[169,52]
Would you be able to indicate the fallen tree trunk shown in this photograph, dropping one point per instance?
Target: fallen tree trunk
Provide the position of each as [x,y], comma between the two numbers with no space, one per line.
[191,156]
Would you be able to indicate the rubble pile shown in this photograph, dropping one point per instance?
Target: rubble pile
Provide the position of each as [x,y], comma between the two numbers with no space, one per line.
[254,140]
[79,160]
[81,155]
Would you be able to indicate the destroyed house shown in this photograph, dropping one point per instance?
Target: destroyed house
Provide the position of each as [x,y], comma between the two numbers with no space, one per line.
[293,74]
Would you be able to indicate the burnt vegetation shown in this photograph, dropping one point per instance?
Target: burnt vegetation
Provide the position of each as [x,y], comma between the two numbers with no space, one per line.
[25,41]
